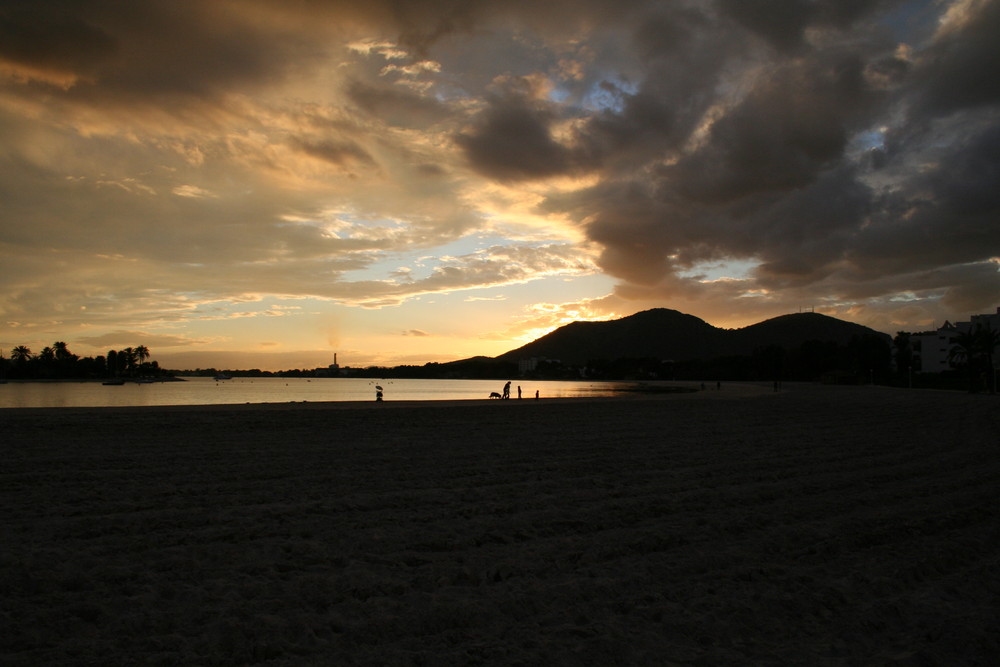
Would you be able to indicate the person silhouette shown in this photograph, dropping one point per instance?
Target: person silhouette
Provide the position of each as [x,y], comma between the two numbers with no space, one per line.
[519,392]
[506,390]
[536,394]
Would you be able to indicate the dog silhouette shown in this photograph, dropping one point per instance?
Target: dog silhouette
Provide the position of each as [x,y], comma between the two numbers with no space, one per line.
[494,394]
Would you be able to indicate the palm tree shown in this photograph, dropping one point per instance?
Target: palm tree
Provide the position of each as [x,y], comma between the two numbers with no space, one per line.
[965,352]
[21,354]
[45,363]
[142,353]
[61,351]
[904,354]
[988,340]
[129,355]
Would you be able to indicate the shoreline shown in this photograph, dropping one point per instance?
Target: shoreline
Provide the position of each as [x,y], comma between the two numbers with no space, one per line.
[676,390]
[673,389]
[139,380]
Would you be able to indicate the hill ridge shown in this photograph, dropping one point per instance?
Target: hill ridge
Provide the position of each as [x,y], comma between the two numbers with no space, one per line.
[670,334]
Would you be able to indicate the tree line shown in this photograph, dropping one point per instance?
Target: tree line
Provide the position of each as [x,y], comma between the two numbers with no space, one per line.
[57,362]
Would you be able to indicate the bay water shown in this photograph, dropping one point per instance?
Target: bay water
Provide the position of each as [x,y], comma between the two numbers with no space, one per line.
[208,391]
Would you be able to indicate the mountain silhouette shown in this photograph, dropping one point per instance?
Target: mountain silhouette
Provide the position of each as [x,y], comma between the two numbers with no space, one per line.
[668,334]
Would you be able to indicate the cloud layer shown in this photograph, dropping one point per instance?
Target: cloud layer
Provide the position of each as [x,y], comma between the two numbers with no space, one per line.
[158,156]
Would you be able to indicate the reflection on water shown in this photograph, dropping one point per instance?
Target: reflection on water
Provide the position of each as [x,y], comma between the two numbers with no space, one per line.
[207,391]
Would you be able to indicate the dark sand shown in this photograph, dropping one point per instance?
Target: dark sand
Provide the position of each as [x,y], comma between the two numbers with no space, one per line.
[818,526]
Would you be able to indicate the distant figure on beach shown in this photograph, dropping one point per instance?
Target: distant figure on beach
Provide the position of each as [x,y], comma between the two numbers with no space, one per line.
[536,394]
[506,390]
[519,392]
[378,393]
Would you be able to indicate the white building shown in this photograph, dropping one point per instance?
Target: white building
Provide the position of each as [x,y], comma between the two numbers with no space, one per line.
[991,320]
[932,349]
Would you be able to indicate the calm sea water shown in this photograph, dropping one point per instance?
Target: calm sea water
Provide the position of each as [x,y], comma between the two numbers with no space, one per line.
[207,391]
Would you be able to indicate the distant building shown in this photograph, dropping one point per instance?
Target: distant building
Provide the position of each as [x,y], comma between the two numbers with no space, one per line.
[333,370]
[932,349]
[992,320]
[525,366]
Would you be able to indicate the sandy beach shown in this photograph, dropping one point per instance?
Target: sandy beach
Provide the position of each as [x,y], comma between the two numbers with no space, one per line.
[815,526]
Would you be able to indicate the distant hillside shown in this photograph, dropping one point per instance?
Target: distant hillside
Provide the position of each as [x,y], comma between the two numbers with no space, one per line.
[668,334]
[790,331]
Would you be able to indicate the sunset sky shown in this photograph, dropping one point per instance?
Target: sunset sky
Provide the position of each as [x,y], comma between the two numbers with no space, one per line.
[256,183]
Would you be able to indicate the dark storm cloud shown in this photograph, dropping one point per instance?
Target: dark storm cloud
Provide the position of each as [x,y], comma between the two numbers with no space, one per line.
[782,23]
[340,153]
[45,36]
[945,214]
[397,106]
[151,49]
[677,59]
[514,142]
[788,129]
[959,69]
[834,168]
[802,237]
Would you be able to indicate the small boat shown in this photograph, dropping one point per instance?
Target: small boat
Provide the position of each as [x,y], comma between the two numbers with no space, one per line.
[116,382]
[223,376]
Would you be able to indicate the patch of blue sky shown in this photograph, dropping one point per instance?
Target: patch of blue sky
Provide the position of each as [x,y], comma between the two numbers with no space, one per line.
[604,97]
[914,21]
[446,92]
[269,305]
[869,139]
[550,289]
[394,266]
[864,142]
[419,263]
[350,222]
[734,269]
[559,95]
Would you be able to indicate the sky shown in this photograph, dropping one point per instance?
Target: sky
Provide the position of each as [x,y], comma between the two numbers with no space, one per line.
[264,183]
